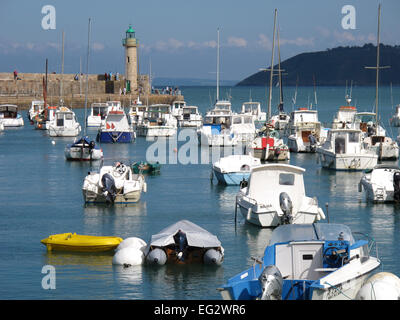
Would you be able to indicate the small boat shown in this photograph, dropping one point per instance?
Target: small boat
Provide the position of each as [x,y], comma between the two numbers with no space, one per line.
[304,131]
[37,107]
[274,194]
[183,243]
[231,170]
[113,184]
[158,121]
[320,261]
[80,243]
[10,117]
[345,150]
[116,128]
[146,167]
[97,115]
[381,184]
[268,146]
[83,149]
[395,119]
[64,124]
[190,117]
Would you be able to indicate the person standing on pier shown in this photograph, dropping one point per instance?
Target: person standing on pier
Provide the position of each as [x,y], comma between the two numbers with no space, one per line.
[15,75]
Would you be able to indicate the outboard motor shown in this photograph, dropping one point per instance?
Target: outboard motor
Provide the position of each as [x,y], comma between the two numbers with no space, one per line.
[271,283]
[109,189]
[396,186]
[287,207]
[313,143]
[181,242]
[244,183]
[157,256]
[212,256]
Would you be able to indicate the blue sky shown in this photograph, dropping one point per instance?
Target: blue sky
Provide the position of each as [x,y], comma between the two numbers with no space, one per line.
[179,36]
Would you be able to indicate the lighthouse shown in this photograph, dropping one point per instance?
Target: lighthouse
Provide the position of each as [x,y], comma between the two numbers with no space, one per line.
[131,66]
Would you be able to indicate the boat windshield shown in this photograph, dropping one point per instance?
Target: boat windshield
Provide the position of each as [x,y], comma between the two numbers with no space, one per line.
[370,117]
[311,232]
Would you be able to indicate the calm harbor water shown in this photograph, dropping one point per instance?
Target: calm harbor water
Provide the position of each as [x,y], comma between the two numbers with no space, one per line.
[40,194]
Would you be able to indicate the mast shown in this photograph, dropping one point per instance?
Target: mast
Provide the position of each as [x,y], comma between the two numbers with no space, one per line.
[87,78]
[280,74]
[218,64]
[62,68]
[272,70]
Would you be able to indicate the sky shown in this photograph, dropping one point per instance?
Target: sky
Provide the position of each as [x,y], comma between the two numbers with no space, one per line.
[178,38]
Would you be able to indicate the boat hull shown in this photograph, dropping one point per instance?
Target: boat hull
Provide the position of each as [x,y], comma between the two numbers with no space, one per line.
[346,162]
[115,136]
[64,132]
[95,197]
[145,131]
[82,154]
[230,178]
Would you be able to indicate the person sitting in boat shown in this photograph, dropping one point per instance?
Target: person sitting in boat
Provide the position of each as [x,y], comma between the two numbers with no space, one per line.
[371,129]
[181,244]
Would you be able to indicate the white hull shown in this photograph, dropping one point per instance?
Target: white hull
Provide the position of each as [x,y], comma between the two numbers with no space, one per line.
[94,197]
[217,140]
[64,131]
[77,153]
[334,161]
[16,122]
[296,144]
[164,131]
[95,121]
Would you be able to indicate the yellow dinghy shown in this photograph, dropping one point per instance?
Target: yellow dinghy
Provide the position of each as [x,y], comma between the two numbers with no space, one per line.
[81,243]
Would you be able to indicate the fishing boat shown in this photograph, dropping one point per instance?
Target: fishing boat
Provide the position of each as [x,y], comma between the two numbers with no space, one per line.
[97,115]
[231,170]
[80,243]
[381,183]
[320,261]
[83,149]
[344,118]
[268,146]
[177,108]
[253,108]
[64,124]
[113,184]
[274,194]
[395,119]
[184,243]
[158,121]
[145,167]
[190,117]
[116,128]
[136,113]
[37,107]
[10,117]
[344,149]
[304,130]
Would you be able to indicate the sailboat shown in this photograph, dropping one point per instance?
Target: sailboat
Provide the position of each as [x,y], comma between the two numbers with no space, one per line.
[268,145]
[377,141]
[83,148]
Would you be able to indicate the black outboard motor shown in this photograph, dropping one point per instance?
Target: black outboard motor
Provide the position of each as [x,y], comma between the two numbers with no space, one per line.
[287,207]
[396,186]
[181,242]
[313,143]
[109,189]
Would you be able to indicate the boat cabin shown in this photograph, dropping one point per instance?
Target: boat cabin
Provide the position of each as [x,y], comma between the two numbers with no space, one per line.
[343,141]
[303,115]
[345,115]
[99,109]
[189,110]
[8,111]
[157,114]
[64,117]
[253,108]
[223,105]
[217,122]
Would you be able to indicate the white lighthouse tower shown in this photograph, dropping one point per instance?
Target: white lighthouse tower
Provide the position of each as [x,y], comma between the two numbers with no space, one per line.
[131,66]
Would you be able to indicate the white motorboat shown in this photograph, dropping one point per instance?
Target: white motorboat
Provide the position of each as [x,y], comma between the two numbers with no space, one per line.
[116,129]
[190,117]
[83,149]
[10,117]
[64,124]
[304,130]
[98,114]
[232,169]
[243,127]
[280,121]
[275,195]
[381,183]
[321,261]
[344,150]
[113,184]
[158,121]
[37,107]
[253,108]
[177,108]
[395,119]
[136,113]
[268,146]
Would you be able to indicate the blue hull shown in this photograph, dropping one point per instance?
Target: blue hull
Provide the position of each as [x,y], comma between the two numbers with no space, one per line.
[232,178]
[115,137]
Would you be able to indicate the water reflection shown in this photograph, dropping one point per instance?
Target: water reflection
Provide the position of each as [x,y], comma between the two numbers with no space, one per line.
[95,261]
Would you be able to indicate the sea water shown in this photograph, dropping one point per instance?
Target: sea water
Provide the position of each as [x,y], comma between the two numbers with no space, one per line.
[40,195]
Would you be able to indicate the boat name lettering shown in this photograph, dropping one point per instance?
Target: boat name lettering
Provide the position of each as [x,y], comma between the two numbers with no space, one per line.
[334,291]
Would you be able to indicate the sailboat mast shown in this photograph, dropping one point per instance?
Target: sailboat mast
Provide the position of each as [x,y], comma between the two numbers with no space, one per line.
[377,66]
[62,67]
[218,64]
[280,72]
[272,70]
[87,77]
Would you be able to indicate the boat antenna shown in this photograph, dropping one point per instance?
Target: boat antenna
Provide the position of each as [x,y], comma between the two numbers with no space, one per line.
[87,76]
[315,92]
[272,69]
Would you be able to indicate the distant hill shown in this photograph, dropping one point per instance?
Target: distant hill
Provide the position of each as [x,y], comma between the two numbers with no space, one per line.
[333,67]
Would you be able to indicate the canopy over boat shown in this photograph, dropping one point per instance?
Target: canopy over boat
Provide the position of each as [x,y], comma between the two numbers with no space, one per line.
[196,236]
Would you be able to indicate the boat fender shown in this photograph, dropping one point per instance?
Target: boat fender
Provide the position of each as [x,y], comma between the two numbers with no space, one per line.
[380,286]
[132,242]
[128,256]
[287,207]
[396,186]
[271,282]
[157,256]
[213,257]
[144,187]
[359,187]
